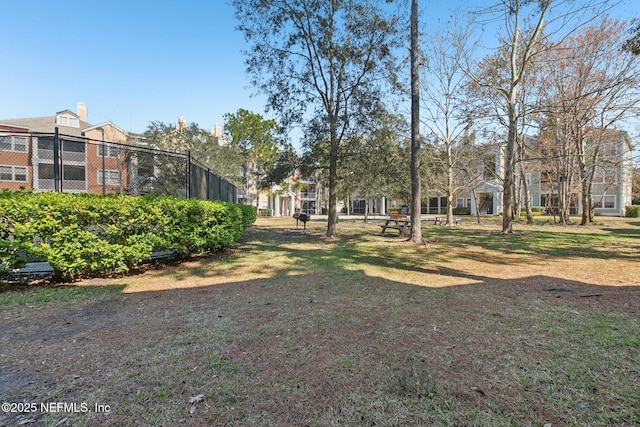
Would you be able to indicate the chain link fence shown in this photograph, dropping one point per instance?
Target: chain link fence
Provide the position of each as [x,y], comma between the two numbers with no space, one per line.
[63,163]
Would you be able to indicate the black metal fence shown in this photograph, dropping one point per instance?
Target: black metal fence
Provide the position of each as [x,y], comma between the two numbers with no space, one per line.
[64,163]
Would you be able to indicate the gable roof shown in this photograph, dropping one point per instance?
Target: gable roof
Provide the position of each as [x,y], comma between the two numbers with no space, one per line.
[12,128]
[47,124]
[104,124]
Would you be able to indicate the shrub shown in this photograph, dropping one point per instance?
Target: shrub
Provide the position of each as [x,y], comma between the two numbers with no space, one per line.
[265,212]
[249,214]
[632,211]
[535,211]
[459,210]
[84,235]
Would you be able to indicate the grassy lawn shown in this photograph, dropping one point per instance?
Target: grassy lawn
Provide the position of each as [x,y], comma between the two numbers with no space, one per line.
[291,328]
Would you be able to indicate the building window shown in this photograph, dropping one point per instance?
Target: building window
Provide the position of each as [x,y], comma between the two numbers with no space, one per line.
[68,121]
[460,203]
[112,177]
[73,173]
[609,202]
[108,151]
[5,143]
[6,173]
[602,177]
[13,173]
[527,178]
[13,143]
[73,146]
[45,171]
[20,174]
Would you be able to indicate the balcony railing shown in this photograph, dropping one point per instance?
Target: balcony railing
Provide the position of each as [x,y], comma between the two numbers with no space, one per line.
[68,156]
[308,195]
[67,185]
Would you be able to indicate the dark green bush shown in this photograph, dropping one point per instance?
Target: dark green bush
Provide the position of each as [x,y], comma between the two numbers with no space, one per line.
[459,210]
[84,235]
[249,214]
[632,211]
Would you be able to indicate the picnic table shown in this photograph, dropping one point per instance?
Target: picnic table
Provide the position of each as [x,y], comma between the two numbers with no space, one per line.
[396,224]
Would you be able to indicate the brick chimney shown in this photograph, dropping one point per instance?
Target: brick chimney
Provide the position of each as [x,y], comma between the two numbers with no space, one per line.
[82,111]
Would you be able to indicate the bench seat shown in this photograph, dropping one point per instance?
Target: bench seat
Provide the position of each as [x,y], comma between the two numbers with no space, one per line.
[440,220]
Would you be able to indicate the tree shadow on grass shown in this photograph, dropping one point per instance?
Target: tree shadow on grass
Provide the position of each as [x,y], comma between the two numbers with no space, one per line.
[344,343]
[270,252]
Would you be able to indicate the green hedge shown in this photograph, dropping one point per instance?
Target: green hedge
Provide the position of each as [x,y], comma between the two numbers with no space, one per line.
[460,210]
[265,212]
[84,235]
[535,211]
[632,211]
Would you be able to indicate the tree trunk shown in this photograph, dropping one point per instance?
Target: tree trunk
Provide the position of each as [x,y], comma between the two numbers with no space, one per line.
[450,185]
[586,202]
[507,195]
[527,196]
[590,198]
[247,190]
[366,207]
[564,196]
[475,200]
[332,229]
[586,197]
[416,195]
[525,184]
[332,221]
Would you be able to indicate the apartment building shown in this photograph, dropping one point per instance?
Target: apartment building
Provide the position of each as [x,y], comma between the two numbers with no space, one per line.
[297,194]
[89,158]
[610,172]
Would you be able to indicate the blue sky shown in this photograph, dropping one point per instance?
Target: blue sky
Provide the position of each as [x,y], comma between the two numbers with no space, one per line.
[136,61]
[130,62]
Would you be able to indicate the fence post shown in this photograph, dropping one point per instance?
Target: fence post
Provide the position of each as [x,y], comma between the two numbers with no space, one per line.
[188,174]
[104,180]
[208,184]
[56,162]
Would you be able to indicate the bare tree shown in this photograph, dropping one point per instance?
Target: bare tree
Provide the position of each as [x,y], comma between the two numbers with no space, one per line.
[590,86]
[448,118]
[527,26]
[521,52]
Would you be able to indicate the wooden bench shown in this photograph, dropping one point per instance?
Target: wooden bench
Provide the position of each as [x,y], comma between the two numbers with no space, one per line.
[32,271]
[442,220]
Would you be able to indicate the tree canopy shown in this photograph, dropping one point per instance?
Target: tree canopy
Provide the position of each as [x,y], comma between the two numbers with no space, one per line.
[323,65]
[256,140]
